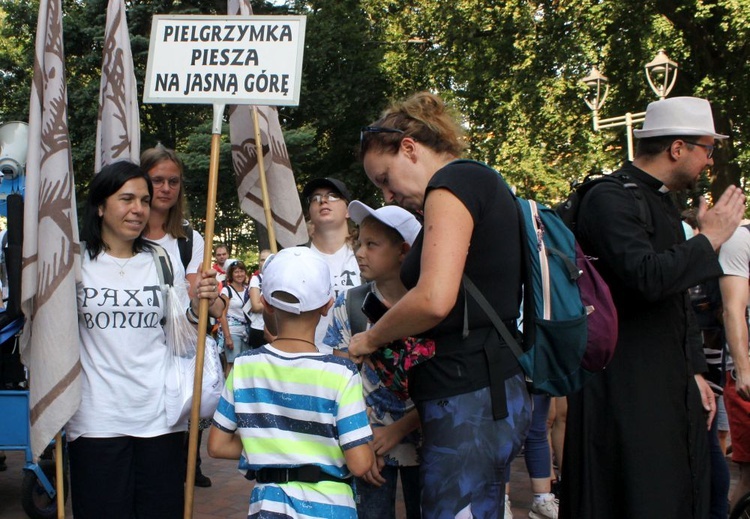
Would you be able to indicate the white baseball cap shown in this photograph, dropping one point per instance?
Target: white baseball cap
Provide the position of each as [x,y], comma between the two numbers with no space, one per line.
[391,215]
[678,116]
[300,272]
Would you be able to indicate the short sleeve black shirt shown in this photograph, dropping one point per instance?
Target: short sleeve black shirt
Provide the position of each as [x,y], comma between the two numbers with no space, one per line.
[493,264]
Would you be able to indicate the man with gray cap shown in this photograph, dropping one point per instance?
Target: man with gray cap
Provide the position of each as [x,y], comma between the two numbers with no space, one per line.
[327,200]
[636,444]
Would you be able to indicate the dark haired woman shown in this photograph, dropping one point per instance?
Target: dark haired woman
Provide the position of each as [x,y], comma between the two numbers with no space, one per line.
[125,461]
[471,396]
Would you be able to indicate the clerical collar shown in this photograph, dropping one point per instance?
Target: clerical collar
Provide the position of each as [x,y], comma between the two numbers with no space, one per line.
[651,181]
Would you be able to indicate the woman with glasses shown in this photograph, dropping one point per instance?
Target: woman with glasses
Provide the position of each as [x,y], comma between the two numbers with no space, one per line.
[471,396]
[234,321]
[168,227]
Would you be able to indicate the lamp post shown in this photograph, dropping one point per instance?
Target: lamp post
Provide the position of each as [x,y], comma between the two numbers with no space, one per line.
[661,73]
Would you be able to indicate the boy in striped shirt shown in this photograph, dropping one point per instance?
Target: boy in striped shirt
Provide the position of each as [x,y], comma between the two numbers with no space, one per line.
[300,414]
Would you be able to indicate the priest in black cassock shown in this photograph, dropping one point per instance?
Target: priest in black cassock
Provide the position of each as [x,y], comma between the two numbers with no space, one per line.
[636,444]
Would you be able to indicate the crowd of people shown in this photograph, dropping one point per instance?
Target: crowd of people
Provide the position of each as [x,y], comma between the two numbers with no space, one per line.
[358,360]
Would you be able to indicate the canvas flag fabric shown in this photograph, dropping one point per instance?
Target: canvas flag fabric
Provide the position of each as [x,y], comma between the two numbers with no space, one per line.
[286,210]
[118,134]
[50,265]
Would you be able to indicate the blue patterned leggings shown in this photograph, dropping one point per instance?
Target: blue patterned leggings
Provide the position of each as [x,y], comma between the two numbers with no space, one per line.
[465,451]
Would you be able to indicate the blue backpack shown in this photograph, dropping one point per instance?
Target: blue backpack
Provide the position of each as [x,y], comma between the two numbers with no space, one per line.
[569,318]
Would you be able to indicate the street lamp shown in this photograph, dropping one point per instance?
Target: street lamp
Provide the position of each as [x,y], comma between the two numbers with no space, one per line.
[661,74]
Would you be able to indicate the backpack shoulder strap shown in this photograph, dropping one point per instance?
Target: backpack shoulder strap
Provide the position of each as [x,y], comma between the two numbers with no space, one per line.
[644,213]
[477,295]
[354,299]
[186,244]
[163,264]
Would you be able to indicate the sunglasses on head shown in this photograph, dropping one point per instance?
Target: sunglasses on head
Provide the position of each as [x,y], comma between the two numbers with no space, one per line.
[374,129]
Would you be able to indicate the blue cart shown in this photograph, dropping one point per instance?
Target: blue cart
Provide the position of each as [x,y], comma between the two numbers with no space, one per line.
[38,493]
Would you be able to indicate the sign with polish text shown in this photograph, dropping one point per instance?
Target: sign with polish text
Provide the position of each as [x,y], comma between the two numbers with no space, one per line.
[225,59]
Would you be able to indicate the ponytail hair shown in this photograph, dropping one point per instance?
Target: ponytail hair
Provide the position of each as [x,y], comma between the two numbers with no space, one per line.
[425,118]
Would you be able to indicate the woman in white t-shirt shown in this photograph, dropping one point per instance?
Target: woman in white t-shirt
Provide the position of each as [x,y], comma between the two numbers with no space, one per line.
[234,320]
[125,460]
[168,227]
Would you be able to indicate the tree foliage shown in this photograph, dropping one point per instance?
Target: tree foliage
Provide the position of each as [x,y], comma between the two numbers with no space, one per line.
[512,69]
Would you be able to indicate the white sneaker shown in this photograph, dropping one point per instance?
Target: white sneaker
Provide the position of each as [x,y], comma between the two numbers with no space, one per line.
[508,511]
[544,510]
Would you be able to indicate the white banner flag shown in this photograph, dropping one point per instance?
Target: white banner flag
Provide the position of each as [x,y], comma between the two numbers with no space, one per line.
[286,210]
[118,131]
[49,343]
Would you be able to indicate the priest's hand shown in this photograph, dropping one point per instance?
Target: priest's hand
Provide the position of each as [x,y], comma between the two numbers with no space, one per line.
[708,399]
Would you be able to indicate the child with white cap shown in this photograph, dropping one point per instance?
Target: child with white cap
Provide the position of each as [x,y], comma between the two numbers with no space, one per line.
[385,236]
[296,415]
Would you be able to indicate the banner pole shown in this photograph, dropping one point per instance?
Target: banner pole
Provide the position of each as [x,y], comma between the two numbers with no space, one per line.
[213,180]
[59,476]
[264,184]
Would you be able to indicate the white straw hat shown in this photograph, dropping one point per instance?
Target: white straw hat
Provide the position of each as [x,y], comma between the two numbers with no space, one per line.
[300,272]
[391,215]
[678,116]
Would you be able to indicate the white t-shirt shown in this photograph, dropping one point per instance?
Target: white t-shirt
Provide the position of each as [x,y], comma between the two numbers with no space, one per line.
[172,247]
[256,318]
[171,244]
[734,258]
[123,349]
[344,275]
[235,314]
[734,255]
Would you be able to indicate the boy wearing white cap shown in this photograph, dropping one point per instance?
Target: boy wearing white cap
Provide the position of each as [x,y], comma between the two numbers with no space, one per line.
[385,236]
[636,442]
[295,415]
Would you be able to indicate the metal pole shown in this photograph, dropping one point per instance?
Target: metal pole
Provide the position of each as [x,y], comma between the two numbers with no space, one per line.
[629,129]
[213,180]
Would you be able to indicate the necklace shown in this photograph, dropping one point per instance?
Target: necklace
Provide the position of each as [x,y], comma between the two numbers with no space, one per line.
[298,340]
[121,265]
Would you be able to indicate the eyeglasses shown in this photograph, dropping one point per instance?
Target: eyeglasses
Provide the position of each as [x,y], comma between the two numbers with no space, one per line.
[172,182]
[328,197]
[708,147]
[374,129]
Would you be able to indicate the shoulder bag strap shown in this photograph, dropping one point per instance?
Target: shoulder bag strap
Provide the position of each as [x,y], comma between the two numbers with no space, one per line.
[472,289]
[163,264]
